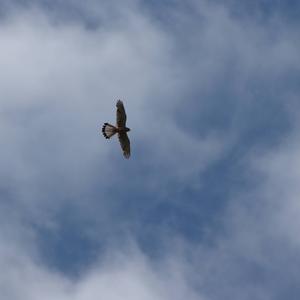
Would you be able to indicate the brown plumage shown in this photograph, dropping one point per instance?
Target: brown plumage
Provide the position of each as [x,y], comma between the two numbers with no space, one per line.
[109,130]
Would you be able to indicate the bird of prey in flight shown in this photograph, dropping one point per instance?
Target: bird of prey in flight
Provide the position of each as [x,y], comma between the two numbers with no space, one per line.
[109,130]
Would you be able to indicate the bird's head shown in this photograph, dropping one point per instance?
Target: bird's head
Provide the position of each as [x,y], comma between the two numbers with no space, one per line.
[127,129]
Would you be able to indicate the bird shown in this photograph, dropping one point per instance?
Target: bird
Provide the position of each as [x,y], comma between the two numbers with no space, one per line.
[109,130]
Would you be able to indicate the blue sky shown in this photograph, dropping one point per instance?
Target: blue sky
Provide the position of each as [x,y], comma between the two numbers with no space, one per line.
[207,206]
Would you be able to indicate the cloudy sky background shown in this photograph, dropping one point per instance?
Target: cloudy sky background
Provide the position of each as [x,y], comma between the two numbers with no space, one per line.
[207,207]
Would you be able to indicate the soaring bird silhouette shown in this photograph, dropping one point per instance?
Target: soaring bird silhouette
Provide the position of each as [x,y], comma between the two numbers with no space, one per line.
[109,130]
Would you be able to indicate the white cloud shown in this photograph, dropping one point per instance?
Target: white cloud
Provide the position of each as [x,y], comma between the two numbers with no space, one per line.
[60,82]
[281,190]
[254,252]
[126,275]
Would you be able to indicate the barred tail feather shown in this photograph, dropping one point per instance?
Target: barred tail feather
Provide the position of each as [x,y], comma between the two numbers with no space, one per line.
[108,130]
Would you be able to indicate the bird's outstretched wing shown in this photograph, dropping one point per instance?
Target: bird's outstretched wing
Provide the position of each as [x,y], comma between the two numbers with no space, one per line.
[125,144]
[121,115]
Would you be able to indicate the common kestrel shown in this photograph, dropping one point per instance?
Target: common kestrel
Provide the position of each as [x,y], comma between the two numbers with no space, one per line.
[109,130]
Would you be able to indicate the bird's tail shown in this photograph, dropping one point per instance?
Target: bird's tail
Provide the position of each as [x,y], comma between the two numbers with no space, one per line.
[108,130]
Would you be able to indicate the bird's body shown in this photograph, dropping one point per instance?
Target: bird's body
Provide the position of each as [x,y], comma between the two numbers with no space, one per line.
[109,130]
[122,129]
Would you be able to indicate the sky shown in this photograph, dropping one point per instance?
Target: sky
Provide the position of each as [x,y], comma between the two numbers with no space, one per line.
[207,207]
